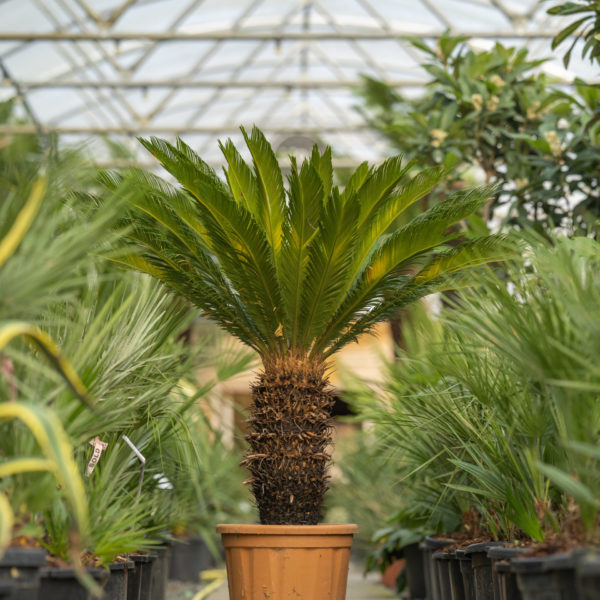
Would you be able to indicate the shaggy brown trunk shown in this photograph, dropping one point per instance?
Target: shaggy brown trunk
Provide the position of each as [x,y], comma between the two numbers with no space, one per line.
[290,431]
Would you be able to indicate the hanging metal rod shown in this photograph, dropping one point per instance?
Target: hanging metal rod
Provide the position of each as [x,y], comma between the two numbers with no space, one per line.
[378,34]
[329,84]
[169,130]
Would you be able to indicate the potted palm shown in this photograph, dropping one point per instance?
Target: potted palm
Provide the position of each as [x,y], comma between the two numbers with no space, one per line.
[296,273]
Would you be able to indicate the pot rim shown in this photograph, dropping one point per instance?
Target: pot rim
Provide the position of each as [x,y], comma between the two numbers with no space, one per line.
[258,529]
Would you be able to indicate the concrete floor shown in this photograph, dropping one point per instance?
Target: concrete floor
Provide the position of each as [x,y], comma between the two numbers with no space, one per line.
[359,588]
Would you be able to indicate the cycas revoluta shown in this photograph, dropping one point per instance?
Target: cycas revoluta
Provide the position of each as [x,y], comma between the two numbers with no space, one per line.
[295,272]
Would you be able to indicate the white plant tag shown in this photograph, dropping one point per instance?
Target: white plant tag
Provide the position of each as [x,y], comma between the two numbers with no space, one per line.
[99,447]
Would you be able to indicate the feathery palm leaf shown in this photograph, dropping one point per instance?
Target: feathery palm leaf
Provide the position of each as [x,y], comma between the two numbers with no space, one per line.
[302,269]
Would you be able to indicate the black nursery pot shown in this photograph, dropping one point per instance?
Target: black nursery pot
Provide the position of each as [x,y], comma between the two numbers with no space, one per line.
[20,572]
[415,573]
[139,579]
[588,576]
[562,567]
[466,570]
[441,561]
[189,556]
[430,545]
[505,581]
[457,588]
[62,584]
[6,589]
[160,572]
[535,580]
[116,586]
[483,582]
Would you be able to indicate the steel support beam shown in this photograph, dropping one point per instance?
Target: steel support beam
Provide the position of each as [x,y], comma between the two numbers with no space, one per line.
[338,163]
[110,36]
[303,84]
[157,129]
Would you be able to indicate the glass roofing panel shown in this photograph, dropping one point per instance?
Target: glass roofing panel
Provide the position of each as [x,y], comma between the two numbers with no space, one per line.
[200,68]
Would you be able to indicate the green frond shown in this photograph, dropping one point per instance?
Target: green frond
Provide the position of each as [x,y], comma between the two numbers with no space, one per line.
[305,203]
[423,233]
[233,236]
[379,185]
[435,276]
[330,258]
[357,179]
[397,255]
[323,164]
[388,211]
[270,185]
[245,255]
[242,182]
[303,269]
[476,252]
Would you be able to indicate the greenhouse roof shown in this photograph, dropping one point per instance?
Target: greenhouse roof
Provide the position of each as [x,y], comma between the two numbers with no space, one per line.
[201,68]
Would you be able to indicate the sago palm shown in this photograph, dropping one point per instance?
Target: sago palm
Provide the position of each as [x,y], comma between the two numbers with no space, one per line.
[295,272]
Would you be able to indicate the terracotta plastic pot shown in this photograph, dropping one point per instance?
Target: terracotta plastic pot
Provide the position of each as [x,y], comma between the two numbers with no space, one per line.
[287,561]
[389,578]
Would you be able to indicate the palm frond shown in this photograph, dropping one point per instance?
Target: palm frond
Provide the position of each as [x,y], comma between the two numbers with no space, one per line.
[242,182]
[270,185]
[436,275]
[296,269]
[305,202]
[330,258]
[379,185]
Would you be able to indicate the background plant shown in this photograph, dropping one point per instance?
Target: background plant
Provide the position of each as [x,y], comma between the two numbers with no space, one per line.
[495,427]
[126,339]
[503,121]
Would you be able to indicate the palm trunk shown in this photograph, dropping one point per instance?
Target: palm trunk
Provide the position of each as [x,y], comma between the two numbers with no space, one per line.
[290,431]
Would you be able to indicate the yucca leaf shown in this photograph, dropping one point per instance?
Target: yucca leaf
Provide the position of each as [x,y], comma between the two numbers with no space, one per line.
[570,485]
[6,523]
[12,330]
[24,465]
[53,442]
[10,242]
